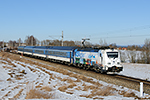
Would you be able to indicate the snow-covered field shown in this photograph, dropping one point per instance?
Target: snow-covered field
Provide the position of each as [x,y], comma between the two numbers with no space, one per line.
[136,70]
[24,79]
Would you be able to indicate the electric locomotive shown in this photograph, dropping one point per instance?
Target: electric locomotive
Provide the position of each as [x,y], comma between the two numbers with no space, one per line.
[100,60]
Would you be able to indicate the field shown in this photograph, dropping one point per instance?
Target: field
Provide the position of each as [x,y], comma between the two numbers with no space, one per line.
[22,78]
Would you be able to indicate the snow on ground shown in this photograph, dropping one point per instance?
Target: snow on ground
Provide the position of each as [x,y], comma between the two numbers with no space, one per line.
[136,70]
[23,80]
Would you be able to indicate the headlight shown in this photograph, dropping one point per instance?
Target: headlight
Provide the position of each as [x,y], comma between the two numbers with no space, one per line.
[118,63]
[109,63]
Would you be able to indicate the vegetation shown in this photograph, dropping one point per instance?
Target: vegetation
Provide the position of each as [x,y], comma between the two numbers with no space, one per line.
[32,41]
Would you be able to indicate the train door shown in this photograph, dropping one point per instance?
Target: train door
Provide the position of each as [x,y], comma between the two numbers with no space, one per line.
[100,57]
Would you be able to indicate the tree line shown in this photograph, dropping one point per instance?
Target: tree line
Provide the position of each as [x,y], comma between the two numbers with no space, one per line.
[32,41]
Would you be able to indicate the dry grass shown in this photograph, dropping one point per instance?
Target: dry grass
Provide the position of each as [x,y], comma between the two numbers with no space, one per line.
[78,80]
[19,78]
[10,74]
[73,75]
[72,85]
[106,91]
[3,62]
[78,88]
[128,94]
[18,94]
[16,87]
[6,67]
[63,88]
[89,87]
[48,72]
[69,92]
[67,80]
[87,96]
[9,79]
[38,94]
[2,89]
[52,76]
[1,80]
[4,54]
[12,64]
[98,98]
[21,64]
[39,86]
[46,88]
[30,68]
[59,78]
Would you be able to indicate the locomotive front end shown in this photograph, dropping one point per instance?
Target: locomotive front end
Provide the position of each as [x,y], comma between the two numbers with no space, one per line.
[112,62]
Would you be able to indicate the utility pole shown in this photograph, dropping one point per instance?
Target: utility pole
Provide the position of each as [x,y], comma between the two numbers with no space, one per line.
[3,45]
[31,41]
[19,41]
[62,38]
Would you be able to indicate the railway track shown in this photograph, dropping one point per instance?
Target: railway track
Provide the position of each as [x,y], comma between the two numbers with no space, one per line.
[120,80]
[138,80]
[146,83]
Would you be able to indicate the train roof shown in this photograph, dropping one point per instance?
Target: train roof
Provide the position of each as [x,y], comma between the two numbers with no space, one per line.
[51,47]
[21,46]
[62,47]
[41,47]
[29,46]
[67,48]
[88,49]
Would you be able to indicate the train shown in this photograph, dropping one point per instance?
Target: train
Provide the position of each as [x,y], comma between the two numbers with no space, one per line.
[101,60]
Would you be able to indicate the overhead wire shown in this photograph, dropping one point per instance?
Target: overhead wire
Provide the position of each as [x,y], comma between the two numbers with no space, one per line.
[114,33]
[124,30]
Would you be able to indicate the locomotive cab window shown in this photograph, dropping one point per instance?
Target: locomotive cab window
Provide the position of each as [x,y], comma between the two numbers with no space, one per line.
[112,54]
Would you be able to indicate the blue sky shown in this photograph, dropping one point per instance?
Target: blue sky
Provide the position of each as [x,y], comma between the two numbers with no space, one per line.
[115,21]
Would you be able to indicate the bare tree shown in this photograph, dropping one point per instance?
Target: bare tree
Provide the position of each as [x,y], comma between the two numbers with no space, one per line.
[1,44]
[113,45]
[12,44]
[78,43]
[103,42]
[19,41]
[146,51]
[31,41]
[69,43]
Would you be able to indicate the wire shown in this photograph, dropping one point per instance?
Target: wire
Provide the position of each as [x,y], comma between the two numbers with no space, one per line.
[128,30]
[124,36]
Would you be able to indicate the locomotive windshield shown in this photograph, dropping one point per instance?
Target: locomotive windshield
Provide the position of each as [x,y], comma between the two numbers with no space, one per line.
[112,54]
